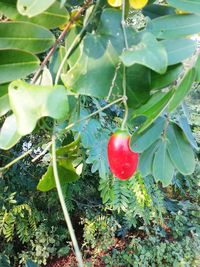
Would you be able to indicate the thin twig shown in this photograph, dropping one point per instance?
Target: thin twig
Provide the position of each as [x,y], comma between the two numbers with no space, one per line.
[124,68]
[64,208]
[113,81]
[123,23]
[43,152]
[60,38]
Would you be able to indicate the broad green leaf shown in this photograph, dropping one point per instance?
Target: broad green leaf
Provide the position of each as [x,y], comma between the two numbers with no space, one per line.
[163,168]
[175,26]
[179,49]
[8,133]
[197,68]
[69,148]
[149,52]
[159,81]
[16,64]
[154,11]
[4,100]
[192,6]
[146,159]
[95,64]
[180,150]
[66,172]
[183,122]
[138,79]
[8,8]
[25,36]
[33,8]
[143,141]
[52,17]
[182,89]
[153,108]
[110,30]
[31,102]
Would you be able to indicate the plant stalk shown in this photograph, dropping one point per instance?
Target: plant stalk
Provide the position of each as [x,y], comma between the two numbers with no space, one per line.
[63,205]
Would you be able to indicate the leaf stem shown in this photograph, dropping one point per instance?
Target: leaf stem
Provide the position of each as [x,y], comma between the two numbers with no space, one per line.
[124,99]
[64,208]
[123,23]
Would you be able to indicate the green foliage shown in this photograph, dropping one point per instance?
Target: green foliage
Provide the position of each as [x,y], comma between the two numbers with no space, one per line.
[189,6]
[51,101]
[154,252]
[52,17]
[28,9]
[33,34]
[16,64]
[156,211]
[16,219]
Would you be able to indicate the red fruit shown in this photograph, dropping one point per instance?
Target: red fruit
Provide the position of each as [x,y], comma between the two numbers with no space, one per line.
[122,160]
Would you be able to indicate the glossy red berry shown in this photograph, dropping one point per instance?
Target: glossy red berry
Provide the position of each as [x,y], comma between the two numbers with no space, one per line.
[122,160]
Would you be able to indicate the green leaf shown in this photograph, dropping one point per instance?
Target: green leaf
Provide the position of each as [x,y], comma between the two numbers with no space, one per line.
[8,133]
[163,168]
[4,100]
[52,17]
[33,8]
[154,11]
[153,108]
[159,81]
[25,36]
[96,62]
[197,68]
[192,6]
[16,64]
[174,26]
[179,49]
[138,79]
[149,52]
[182,89]
[187,131]
[31,102]
[66,172]
[69,148]
[180,150]
[146,159]
[143,141]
